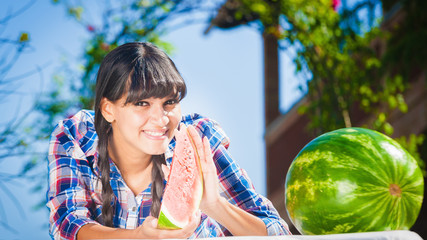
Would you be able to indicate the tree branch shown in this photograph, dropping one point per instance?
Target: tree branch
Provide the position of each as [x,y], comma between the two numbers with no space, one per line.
[15,201]
[17,13]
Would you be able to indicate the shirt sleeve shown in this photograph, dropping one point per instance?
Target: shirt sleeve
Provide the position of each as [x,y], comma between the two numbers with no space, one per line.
[68,199]
[235,184]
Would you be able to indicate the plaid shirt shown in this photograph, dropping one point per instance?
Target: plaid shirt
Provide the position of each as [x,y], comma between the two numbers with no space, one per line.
[74,192]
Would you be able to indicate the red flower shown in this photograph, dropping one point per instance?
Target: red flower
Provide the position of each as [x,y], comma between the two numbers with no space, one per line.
[335,4]
[90,28]
[105,46]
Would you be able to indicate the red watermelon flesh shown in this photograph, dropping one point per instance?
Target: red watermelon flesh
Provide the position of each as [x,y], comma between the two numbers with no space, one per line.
[184,188]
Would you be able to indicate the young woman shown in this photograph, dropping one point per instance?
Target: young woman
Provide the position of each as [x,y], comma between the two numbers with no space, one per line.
[107,166]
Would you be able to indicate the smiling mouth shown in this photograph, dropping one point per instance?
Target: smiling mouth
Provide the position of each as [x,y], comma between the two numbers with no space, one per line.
[156,133]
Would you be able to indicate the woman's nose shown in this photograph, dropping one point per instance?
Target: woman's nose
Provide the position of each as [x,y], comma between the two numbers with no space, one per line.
[160,117]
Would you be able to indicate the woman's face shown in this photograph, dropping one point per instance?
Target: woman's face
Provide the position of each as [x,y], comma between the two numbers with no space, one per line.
[146,127]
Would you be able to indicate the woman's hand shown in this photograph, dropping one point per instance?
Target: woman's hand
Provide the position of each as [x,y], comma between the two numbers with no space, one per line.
[235,219]
[211,195]
[149,230]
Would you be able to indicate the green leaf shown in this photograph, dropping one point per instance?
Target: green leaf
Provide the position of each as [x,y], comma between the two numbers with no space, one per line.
[76,12]
[373,63]
[28,166]
[392,101]
[24,37]
[365,103]
[302,109]
[382,117]
[403,107]
[259,8]
[388,129]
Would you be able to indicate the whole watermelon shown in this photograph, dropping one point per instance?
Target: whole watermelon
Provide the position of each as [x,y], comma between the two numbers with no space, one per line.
[353,180]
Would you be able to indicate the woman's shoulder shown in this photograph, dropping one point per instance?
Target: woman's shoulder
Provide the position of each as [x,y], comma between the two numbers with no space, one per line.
[78,124]
[84,116]
[208,127]
[202,123]
[73,143]
[76,130]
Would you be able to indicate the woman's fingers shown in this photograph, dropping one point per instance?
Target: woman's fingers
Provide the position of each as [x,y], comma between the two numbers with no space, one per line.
[207,150]
[191,227]
[203,150]
[166,170]
[178,128]
[149,229]
[197,140]
[152,221]
[208,165]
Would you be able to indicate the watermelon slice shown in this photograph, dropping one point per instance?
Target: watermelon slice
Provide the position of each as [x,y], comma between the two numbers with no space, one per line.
[184,188]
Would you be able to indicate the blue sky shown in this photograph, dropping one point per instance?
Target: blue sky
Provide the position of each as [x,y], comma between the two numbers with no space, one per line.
[223,71]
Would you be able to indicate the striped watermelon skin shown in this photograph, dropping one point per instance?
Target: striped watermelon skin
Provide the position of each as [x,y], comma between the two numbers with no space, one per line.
[353,180]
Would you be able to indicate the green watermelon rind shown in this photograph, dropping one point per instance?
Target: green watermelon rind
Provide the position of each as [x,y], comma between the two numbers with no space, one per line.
[306,204]
[165,223]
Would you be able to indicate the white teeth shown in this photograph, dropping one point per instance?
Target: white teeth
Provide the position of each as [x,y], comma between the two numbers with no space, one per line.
[155,134]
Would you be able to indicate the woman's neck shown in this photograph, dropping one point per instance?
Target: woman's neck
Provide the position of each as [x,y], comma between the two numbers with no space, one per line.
[128,162]
[134,168]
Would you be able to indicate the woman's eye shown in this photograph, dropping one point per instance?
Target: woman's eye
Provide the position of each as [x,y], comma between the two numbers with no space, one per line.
[171,102]
[141,104]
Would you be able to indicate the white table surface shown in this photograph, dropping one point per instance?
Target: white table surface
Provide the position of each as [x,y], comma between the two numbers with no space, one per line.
[385,235]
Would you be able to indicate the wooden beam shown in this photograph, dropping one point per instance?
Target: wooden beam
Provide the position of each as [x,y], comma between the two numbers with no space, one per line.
[271,77]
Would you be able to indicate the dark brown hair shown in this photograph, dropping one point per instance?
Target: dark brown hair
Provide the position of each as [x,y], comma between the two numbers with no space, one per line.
[139,71]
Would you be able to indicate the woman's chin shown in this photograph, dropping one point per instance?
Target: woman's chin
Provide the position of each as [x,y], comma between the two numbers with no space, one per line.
[159,151]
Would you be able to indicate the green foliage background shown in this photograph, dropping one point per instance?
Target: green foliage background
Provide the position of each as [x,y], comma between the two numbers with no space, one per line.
[338,51]
[334,49]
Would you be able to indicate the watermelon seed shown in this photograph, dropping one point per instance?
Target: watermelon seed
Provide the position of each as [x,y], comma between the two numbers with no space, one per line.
[395,190]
